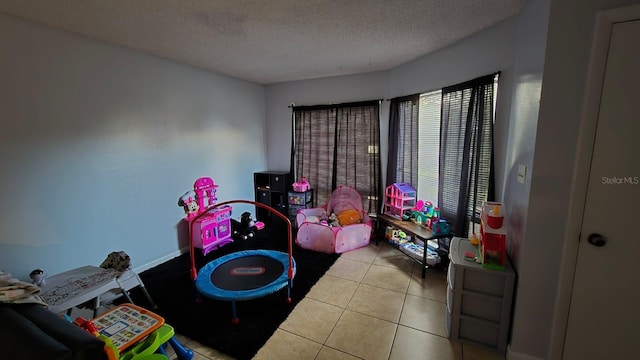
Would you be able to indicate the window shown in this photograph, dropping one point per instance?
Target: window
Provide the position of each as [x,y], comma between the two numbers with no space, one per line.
[429,145]
[338,145]
[442,143]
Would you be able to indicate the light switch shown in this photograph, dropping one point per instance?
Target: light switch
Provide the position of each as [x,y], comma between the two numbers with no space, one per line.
[522,173]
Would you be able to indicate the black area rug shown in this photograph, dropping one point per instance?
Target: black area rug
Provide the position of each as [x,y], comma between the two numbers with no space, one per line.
[209,321]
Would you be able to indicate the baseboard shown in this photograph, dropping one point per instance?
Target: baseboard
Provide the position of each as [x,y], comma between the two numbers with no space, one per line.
[159,261]
[512,355]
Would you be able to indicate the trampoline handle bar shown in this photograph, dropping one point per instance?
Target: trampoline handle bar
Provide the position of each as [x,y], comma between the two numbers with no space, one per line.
[194,272]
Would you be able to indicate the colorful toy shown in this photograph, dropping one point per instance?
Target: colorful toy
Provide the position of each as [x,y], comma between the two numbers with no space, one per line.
[402,237]
[416,251]
[440,227]
[189,204]
[493,249]
[421,218]
[428,209]
[419,206]
[399,199]
[391,234]
[301,185]
[435,217]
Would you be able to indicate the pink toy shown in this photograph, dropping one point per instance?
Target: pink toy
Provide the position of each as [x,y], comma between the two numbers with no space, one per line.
[205,190]
[313,235]
[399,198]
[189,204]
[213,230]
[302,185]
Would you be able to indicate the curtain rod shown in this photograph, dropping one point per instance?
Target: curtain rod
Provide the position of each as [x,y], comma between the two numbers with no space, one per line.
[293,105]
[446,87]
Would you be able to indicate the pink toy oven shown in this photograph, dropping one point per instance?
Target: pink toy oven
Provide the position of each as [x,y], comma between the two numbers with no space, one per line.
[213,230]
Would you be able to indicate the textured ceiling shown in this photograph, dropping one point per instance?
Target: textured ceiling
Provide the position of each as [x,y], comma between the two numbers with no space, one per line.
[273,41]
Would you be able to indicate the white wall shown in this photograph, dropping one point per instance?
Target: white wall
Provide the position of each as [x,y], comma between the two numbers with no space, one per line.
[529,332]
[570,34]
[98,142]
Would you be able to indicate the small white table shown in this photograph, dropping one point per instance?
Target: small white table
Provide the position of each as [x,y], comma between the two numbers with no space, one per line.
[66,290]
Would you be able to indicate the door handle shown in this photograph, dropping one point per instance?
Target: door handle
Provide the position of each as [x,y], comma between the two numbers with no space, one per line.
[597,240]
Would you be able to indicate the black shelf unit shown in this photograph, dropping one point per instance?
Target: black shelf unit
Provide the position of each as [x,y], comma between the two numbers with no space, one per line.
[271,189]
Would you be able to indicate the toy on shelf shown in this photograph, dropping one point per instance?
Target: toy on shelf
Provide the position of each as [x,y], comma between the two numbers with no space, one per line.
[399,200]
[428,209]
[301,185]
[440,227]
[427,215]
[493,236]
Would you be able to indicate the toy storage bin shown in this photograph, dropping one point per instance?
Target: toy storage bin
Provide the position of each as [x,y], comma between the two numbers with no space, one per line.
[479,300]
[293,209]
[300,198]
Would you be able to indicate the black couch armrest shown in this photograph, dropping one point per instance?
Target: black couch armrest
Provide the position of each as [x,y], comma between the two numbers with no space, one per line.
[29,331]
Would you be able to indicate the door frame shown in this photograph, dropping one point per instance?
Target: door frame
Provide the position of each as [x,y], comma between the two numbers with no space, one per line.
[605,20]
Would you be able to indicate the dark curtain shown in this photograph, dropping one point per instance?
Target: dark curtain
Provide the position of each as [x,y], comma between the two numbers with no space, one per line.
[466,152]
[402,158]
[339,145]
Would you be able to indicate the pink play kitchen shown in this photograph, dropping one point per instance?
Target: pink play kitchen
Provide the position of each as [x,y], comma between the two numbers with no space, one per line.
[210,231]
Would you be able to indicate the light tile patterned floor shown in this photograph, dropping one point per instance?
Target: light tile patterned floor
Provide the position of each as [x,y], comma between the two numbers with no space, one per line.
[371,304]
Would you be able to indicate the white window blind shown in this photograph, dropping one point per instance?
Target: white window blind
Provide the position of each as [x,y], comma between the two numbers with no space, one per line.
[429,145]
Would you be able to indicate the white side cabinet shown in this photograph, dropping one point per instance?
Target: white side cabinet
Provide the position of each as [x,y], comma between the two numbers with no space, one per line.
[478,300]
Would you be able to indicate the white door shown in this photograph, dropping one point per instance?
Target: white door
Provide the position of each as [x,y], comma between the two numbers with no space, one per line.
[604,315]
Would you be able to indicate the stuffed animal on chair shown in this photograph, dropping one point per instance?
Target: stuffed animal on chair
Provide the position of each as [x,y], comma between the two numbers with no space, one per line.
[333,220]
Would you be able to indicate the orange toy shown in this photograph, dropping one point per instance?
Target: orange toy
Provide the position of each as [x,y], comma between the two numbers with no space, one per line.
[348,217]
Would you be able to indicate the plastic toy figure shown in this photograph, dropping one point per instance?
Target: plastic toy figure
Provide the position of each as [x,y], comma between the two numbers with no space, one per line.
[247,227]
